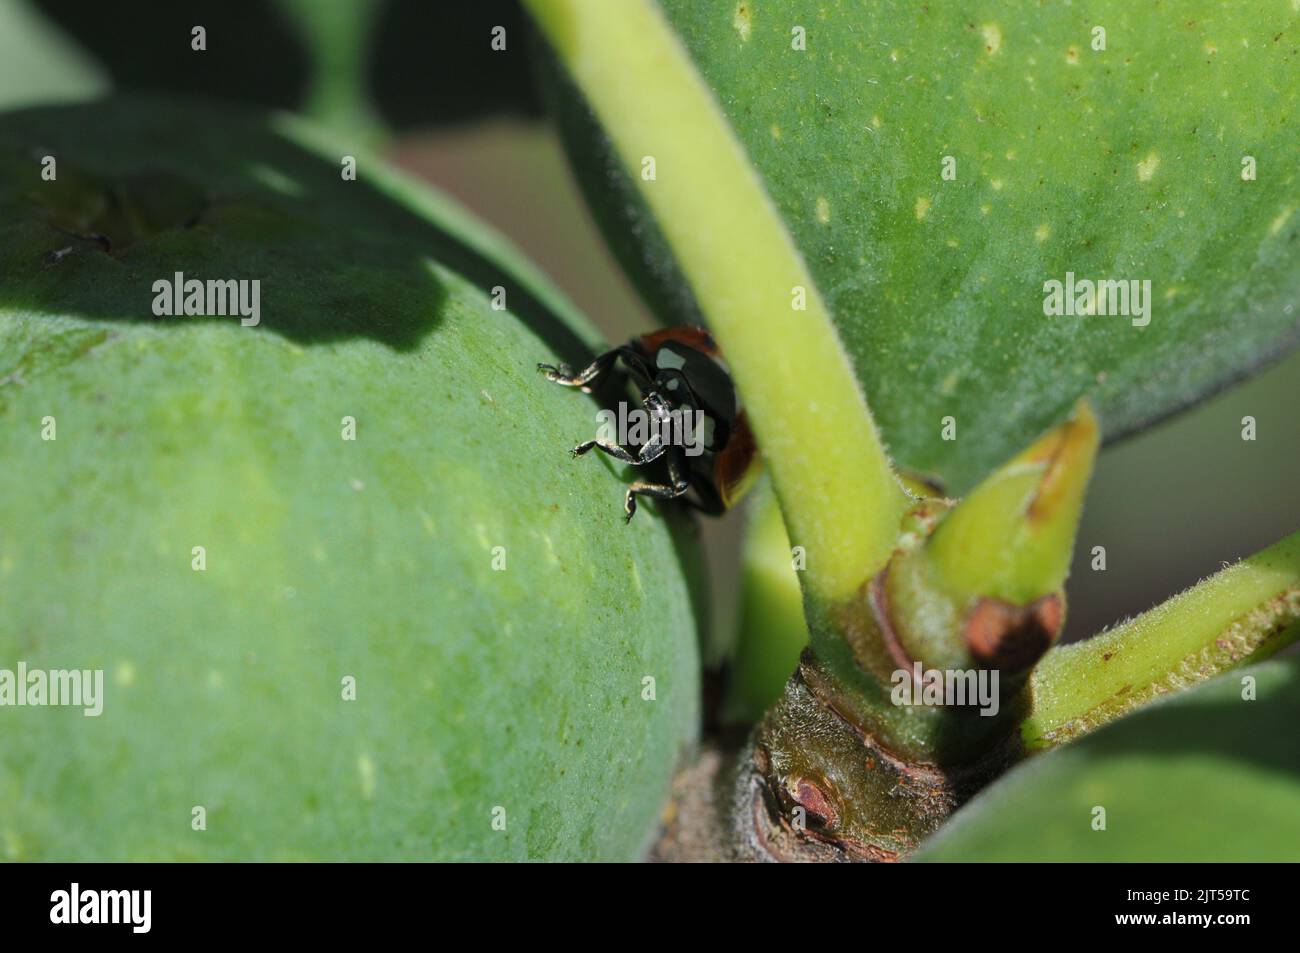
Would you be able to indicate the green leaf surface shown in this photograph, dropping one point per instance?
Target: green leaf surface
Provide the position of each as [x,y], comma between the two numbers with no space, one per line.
[477,687]
[1123,163]
[1204,775]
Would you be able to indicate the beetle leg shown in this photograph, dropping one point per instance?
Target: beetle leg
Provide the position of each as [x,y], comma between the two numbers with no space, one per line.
[660,413]
[648,453]
[613,449]
[594,373]
[563,374]
[651,450]
[658,491]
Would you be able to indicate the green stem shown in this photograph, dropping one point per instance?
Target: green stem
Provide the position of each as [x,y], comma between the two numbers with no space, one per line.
[772,627]
[1245,612]
[337,36]
[840,496]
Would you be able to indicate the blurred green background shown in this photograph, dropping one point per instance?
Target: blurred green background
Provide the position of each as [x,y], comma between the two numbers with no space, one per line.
[418,82]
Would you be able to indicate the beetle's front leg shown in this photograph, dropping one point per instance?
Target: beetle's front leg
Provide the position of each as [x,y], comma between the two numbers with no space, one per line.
[563,374]
[594,373]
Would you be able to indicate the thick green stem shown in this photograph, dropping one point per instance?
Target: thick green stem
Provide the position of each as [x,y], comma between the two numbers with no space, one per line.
[841,499]
[1245,612]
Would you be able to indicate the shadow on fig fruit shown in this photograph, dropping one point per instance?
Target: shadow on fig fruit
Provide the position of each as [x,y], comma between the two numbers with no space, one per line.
[313,239]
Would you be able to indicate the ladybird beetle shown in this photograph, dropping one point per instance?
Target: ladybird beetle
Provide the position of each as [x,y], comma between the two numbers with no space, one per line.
[677,369]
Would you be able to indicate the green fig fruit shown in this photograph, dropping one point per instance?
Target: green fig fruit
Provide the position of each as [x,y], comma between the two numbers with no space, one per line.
[341,588]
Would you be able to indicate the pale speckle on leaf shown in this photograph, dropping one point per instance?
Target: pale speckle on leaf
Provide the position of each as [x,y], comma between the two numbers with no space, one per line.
[366,772]
[992,35]
[1147,167]
[742,22]
[1280,222]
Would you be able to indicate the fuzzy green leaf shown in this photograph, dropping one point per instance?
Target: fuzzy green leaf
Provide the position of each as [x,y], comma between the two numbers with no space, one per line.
[1121,163]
